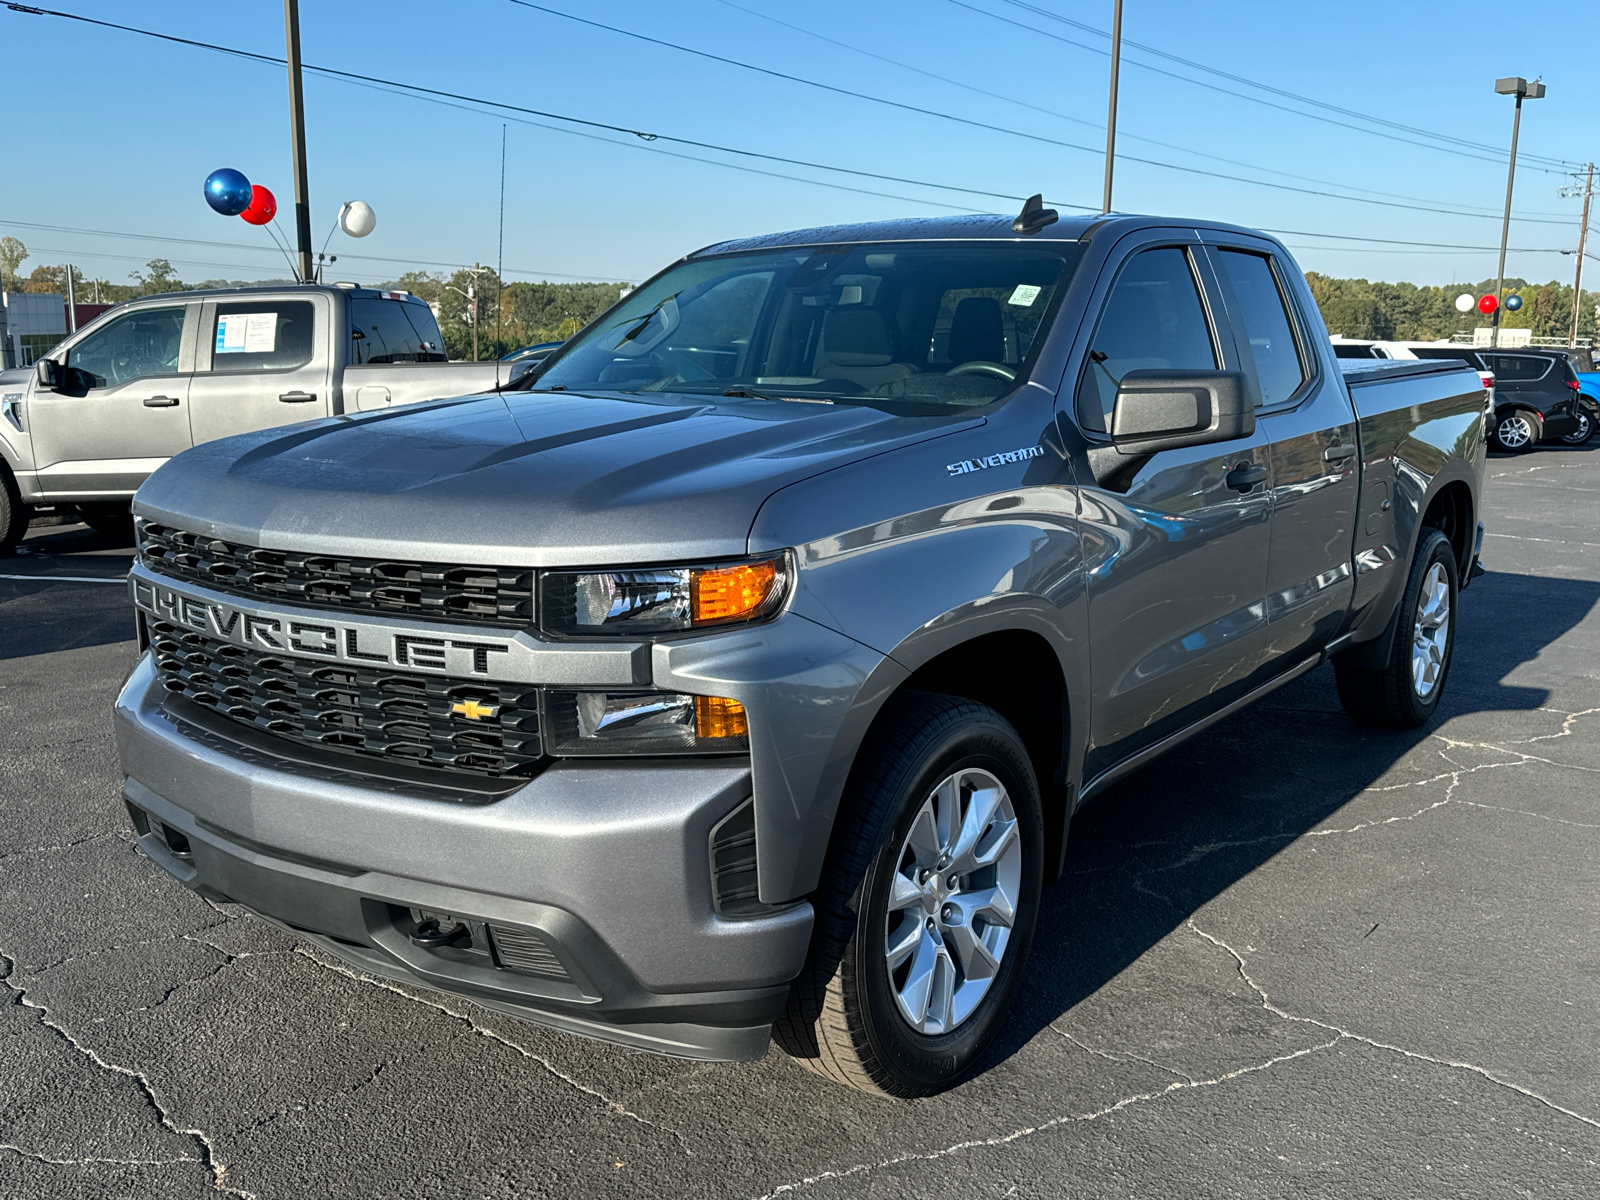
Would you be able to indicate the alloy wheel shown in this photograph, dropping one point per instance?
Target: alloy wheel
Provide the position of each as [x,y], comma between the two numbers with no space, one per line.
[1580,435]
[953,901]
[1514,432]
[1430,637]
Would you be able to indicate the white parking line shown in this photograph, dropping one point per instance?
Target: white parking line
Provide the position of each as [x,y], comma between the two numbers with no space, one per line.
[71,578]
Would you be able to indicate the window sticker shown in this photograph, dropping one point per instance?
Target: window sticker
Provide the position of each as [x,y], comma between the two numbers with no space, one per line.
[247,333]
[1025,294]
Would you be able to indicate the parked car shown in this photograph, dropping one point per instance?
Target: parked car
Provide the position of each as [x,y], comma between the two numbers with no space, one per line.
[740,672]
[153,377]
[532,354]
[1534,391]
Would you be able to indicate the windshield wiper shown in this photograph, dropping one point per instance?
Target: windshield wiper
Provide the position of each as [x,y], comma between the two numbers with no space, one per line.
[743,393]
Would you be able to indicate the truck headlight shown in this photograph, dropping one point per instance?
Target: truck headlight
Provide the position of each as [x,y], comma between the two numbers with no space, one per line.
[580,723]
[662,599]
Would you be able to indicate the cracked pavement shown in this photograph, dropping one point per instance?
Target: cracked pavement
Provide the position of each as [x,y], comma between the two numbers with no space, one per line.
[1292,958]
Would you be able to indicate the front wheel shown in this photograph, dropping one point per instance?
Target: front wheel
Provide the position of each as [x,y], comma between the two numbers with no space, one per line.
[1583,432]
[928,902]
[1405,693]
[1515,432]
[13,513]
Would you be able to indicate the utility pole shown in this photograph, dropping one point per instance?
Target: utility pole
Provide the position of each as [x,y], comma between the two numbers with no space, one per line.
[472,294]
[1521,89]
[1583,236]
[500,260]
[1111,108]
[297,123]
[72,302]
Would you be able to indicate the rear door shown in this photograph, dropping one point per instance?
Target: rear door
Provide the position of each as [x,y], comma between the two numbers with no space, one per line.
[1305,413]
[136,415]
[1176,555]
[262,361]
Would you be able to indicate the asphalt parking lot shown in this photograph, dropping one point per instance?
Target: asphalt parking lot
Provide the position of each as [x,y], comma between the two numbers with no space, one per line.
[1293,958]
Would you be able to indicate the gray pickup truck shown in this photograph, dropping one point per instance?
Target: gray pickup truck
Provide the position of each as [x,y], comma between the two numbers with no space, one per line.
[740,672]
[153,377]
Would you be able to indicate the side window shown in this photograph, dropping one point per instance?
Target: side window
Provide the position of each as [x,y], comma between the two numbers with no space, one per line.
[391,331]
[262,335]
[1279,371]
[141,343]
[1153,320]
[1517,368]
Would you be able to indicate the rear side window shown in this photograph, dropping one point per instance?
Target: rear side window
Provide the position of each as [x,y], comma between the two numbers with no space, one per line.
[1518,368]
[391,331]
[262,335]
[1279,370]
[1153,320]
[1345,350]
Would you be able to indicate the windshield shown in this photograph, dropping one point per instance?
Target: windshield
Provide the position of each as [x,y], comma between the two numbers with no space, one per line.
[914,327]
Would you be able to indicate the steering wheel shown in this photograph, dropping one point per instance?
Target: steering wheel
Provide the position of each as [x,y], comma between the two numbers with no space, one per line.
[979,367]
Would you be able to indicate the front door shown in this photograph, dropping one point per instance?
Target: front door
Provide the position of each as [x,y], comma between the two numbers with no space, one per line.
[1307,418]
[133,418]
[1176,556]
[262,362]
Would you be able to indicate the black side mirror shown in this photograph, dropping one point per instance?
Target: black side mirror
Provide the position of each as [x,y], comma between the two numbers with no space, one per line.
[47,374]
[1166,410]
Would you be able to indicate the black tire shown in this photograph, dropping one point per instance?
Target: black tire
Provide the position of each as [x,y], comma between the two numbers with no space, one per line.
[1388,696]
[113,520]
[13,513]
[1585,430]
[1516,431]
[842,1019]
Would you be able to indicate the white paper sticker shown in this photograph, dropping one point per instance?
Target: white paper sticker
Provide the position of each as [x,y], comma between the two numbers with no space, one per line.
[247,333]
[261,333]
[1025,294]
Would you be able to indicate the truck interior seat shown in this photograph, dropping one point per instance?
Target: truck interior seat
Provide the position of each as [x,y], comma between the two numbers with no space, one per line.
[977,332]
[856,347]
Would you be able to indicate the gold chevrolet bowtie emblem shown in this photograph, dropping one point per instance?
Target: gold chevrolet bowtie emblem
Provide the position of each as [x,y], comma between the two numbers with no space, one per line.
[473,711]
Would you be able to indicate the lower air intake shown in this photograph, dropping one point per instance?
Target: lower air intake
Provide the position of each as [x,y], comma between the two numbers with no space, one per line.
[525,951]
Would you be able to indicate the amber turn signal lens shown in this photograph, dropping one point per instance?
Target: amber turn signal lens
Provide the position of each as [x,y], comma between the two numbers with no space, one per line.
[727,593]
[719,717]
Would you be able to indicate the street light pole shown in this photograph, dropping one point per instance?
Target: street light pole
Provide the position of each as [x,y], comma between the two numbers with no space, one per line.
[1111,107]
[1521,89]
[297,124]
[1583,236]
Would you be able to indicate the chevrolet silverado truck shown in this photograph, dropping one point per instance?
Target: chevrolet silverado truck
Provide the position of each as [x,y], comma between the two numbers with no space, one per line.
[739,673]
[148,379]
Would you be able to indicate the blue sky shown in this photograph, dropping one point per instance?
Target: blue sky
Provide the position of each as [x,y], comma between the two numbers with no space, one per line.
[109,131]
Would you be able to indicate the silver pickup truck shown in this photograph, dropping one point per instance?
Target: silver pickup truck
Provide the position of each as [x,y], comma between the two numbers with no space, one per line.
[742,669]
[153,377]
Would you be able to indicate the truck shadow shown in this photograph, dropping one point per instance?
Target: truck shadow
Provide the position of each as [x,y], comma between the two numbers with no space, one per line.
[1147,854]
[41,617]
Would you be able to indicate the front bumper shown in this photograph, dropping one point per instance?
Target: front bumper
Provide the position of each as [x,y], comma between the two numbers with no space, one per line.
[601,868]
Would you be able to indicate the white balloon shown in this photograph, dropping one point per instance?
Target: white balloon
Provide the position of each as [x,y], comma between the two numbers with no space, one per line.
[357,218]
[1465,302]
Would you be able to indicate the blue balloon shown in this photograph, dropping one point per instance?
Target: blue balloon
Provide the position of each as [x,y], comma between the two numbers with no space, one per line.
[1513,302]
[228,191]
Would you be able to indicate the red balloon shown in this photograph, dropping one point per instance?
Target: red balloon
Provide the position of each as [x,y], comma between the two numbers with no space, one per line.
[263,206]
[1486,306]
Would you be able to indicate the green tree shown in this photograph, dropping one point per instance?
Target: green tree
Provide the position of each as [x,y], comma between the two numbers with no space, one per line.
[12,254]
[54,279]
[157,277]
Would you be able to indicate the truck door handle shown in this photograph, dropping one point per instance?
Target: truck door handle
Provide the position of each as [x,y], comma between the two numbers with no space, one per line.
[1245,476]
[161,402]
[297,398]
[1335,454]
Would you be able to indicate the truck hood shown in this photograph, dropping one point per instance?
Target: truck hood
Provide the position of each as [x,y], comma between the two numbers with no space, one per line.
[522,479]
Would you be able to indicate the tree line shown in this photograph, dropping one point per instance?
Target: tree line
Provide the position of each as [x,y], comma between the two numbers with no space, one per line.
[1406,312]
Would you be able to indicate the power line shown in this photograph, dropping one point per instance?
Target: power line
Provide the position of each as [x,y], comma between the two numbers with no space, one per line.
[1277,91]
[1229,92]
[1096,125]
[439,93]
[984,125]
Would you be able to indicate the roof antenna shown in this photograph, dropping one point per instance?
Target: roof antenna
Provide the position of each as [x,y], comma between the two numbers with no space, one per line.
[1034,215]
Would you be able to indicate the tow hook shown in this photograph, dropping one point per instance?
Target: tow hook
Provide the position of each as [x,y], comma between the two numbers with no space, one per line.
[433,932]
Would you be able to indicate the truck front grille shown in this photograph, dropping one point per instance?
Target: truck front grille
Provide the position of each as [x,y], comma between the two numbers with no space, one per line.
[441,591]
[483,728]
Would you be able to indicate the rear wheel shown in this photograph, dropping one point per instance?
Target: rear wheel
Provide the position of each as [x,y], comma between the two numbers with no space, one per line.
[1583,432]
[1404,693]
[1515,431]
[928,902]
[13,513]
